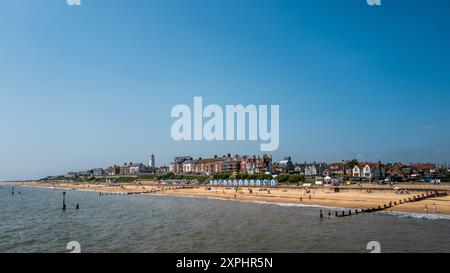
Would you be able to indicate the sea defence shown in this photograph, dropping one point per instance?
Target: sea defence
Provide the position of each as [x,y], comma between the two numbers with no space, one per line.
[391,204]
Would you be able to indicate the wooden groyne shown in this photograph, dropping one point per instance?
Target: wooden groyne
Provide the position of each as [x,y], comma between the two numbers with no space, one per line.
[415,198]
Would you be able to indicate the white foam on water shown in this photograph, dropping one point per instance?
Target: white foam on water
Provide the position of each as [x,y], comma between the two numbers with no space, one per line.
[418,215]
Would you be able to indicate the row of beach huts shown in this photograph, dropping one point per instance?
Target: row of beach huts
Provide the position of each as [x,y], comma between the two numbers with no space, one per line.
[256,183]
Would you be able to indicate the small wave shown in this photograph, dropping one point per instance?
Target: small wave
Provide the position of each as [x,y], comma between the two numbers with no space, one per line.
[418,215]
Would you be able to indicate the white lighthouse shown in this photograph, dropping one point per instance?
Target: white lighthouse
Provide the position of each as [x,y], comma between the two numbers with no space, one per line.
[151,162]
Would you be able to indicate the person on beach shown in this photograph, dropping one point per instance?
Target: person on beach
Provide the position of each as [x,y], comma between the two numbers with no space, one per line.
[426,208]
[434,208]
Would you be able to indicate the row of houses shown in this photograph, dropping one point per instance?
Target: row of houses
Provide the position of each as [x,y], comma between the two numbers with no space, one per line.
[414,170]
[233,164]
[128,169]
[263,164]
[125,169]
[224,164]
[358,169]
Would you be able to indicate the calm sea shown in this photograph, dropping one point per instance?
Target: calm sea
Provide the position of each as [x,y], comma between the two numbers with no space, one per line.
[34,222]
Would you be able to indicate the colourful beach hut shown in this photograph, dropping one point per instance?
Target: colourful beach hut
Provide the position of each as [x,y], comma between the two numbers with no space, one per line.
[251,182]
[274,183]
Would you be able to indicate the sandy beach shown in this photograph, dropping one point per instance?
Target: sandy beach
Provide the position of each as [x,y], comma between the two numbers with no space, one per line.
[352,197]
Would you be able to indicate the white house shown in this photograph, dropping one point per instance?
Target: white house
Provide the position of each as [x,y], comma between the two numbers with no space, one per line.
[187,166]
[368,170]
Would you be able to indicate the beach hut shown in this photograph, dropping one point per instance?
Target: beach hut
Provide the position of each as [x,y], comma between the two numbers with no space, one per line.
[251,182]
[327,180]
[245,182]
[241,183]
[258,183]
[211,182]
[274,183]
[225,183]
[233,182]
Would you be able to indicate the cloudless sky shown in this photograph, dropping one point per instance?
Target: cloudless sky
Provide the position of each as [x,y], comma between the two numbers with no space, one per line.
[93,85]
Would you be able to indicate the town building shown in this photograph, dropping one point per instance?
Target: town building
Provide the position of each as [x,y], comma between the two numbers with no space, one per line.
[187,166]
[336,169]
[134,169]
[421,169]
[368,170]
[113,170]
[315,169]
[260,164]
[98,172]
[286,165]
[208,166]
[176,164]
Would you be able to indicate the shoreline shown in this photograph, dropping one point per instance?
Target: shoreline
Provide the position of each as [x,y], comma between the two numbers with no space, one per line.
[318,198]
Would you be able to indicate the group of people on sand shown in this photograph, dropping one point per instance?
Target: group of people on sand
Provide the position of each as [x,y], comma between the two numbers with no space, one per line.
[434,208]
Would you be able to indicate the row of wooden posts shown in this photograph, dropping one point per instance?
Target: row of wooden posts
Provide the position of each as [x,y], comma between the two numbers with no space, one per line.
[415,198]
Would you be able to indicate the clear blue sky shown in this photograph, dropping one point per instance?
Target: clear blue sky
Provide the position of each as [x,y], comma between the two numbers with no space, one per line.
[91,86]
